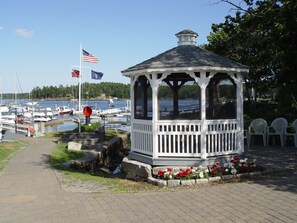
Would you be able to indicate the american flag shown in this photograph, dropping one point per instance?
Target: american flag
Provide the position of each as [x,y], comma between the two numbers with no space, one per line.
[75,73]
[87,57]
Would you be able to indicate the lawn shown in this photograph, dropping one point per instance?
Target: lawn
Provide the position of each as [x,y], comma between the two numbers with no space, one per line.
[102,182]
[7,150]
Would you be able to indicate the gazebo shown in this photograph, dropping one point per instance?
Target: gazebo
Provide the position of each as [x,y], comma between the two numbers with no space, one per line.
[186,106]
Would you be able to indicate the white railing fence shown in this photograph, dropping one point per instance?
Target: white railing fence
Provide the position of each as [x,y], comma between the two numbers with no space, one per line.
[178,138]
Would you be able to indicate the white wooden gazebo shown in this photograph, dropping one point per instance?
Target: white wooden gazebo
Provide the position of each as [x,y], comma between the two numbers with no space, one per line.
[186,106]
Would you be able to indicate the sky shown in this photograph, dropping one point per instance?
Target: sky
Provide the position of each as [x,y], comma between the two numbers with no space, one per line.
[40,39]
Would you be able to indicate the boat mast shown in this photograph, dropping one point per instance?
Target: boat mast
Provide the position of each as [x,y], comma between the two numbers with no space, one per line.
[79,89]
[15,90]
[1,89]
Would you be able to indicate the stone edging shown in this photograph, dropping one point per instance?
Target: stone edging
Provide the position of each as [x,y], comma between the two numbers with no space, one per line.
[178,182]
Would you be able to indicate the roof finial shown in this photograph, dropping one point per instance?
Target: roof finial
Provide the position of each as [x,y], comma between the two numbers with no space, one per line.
[186,37]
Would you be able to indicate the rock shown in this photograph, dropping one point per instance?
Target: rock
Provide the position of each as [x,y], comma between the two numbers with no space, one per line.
[136,170]
[173,183]
[202,181]
[213,179]
[158,182]
[74,146]
[188,182]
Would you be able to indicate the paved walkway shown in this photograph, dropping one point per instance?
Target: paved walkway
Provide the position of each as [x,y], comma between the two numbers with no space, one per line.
[30,192]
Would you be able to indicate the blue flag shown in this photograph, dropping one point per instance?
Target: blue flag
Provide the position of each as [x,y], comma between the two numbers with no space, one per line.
[96,75]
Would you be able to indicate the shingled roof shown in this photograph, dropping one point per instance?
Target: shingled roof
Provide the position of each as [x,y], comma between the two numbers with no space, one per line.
[186,56]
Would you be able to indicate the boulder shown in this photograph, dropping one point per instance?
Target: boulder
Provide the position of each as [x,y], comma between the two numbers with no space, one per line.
[74,146]
[136,170]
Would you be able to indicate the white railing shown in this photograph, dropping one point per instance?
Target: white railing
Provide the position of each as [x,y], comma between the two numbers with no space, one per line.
[221,137]
[142,136]
[183,138]
[7,125]
[179,138]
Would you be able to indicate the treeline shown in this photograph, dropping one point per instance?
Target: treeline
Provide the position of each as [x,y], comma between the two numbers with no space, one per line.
[88,91]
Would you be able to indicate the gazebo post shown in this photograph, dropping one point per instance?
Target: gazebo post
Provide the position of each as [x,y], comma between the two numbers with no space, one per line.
[203,82]
[132,84]
[239,110]
[155,118]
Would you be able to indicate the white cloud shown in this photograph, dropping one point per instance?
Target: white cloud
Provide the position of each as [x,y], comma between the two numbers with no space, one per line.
[24,33]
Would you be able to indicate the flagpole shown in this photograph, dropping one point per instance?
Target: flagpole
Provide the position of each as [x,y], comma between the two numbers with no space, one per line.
[79,89]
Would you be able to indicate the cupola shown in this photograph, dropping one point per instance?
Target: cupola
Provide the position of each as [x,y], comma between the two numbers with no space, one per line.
[186,37]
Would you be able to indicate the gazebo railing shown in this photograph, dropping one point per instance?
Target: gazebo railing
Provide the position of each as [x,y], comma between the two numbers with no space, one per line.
[221,137]
[183,138]
[179,138]
[142,137]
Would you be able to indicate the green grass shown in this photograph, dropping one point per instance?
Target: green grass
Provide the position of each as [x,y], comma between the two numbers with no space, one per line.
[61,155]
[88,128]
[7,150]
[111,183]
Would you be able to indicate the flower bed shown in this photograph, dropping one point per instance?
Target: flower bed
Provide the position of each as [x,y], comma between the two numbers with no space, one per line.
[235,168]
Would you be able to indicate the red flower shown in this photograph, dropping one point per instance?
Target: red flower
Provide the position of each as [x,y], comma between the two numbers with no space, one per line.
[161,173]
[214,172]
[169,169]
[236,158]
[252,168]
[222,169]
[180,174]
[243,169]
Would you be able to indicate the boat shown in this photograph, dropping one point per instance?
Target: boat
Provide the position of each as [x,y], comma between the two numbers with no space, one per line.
[41,118]
[110,104]
[4,108]
[62,110]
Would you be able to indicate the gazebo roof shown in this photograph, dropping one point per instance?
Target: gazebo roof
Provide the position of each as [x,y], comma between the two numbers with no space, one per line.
[186,56]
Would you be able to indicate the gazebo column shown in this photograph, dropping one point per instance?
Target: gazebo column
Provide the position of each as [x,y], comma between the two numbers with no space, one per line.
[239,110]
[155,83]
[132,98]
[175,88]
[203,82]
[155,107]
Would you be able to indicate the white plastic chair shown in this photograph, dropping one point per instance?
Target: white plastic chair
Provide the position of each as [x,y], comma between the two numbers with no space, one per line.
[277,129]
[257,127]
[294,134]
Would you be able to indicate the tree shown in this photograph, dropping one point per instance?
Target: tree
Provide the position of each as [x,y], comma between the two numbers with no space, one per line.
[263,36]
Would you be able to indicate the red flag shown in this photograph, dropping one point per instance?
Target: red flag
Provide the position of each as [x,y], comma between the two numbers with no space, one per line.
[87,57]
[75,73]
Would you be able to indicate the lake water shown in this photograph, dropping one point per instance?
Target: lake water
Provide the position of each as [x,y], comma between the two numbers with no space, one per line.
[97,105]
[70,125]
